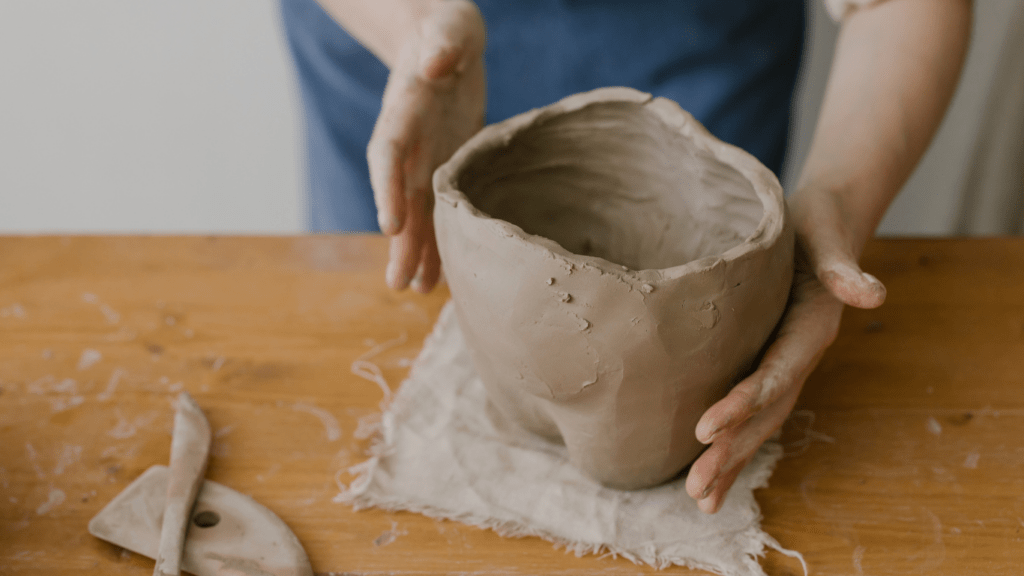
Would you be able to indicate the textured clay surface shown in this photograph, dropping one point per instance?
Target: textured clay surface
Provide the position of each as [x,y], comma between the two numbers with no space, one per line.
[616,269]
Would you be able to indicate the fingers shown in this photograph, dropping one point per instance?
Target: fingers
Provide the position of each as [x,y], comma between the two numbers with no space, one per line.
[387,180]
[429,270]
[809,327]
[422,120]
[406,248]
[714,493]
[714,472]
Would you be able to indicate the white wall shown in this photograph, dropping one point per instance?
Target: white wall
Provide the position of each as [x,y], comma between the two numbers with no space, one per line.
[129,116]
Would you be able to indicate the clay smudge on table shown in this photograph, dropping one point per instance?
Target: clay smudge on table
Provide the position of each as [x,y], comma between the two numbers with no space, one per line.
[389,536]
[55,498]
[89,358]
[809,435]
[125,429]
[858,556]
[69,454]
[971,461]
[112,316]
[933,426]
[115,378]
[33,458]
[331,427]
[66,391]
[15,310]
[263,476]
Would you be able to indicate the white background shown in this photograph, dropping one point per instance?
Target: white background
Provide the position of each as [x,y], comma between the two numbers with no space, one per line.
[128,116]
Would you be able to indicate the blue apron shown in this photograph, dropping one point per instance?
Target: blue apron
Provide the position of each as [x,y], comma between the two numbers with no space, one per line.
[731,63]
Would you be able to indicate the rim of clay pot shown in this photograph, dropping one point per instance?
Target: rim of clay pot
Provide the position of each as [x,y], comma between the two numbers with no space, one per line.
[766,186]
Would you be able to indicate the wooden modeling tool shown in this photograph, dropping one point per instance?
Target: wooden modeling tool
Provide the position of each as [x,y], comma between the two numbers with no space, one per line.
[190,447]
[230,533]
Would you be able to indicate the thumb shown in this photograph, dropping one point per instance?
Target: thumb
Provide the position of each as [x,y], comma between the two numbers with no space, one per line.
[849,284]
[826,246]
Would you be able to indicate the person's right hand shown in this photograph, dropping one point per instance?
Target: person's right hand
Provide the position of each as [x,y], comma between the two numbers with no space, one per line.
[433,102]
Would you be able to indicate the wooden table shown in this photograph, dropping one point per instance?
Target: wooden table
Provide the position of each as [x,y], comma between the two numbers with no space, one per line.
[907,449]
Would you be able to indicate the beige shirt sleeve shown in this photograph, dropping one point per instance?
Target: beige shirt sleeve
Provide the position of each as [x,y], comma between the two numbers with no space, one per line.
[839,9]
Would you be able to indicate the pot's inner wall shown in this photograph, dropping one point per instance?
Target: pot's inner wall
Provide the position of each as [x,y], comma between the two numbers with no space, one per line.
[612,180]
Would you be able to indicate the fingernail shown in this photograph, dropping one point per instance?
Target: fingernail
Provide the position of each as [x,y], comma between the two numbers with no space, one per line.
[391,275]
[417,283]
[711,437]
[707,506]
[708,489]
[705,437]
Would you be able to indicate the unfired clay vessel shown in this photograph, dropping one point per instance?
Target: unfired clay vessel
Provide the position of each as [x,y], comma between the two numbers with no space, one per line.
[615,270]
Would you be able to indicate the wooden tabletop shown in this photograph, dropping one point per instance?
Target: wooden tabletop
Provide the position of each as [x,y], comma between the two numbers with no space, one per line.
[906,452]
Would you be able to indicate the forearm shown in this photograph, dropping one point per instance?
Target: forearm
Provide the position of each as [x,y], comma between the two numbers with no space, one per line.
[382,26]
[895,70]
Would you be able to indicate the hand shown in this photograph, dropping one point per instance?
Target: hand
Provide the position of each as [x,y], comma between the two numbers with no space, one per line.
[825,278]
[433,102]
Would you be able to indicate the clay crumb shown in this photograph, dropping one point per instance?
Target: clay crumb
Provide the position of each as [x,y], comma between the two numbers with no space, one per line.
[646,288]
[15,310]
[708,315]
[389,536]
[55,498]
[971,462]
[550,281]
[88,358]
[565,297]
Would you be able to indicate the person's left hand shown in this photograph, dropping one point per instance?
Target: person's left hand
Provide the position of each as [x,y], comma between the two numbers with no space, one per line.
[826,277]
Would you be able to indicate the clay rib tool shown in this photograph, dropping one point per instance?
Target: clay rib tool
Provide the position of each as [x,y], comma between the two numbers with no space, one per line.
[231,534]
[190,447]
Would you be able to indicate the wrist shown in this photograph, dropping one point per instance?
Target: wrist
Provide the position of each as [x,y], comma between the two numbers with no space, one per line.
[384,26]
[829,215]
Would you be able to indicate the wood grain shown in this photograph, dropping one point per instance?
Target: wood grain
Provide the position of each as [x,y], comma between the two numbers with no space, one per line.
[906,452]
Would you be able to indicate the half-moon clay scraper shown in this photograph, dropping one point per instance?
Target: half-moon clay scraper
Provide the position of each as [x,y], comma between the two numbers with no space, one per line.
[230,533]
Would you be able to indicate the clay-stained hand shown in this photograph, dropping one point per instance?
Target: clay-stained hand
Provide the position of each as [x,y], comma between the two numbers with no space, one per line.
[433,102]
[826,277]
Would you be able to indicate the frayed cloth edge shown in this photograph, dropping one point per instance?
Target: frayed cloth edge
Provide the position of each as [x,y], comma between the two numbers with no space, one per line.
[383,444]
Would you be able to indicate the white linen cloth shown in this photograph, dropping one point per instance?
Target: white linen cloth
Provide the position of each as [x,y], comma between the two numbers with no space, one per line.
[443,451]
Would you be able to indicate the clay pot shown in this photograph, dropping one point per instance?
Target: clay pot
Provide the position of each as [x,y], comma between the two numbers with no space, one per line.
[615,270]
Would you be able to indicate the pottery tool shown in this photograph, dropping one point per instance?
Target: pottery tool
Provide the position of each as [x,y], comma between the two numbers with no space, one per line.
[190,447]
[230,533]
